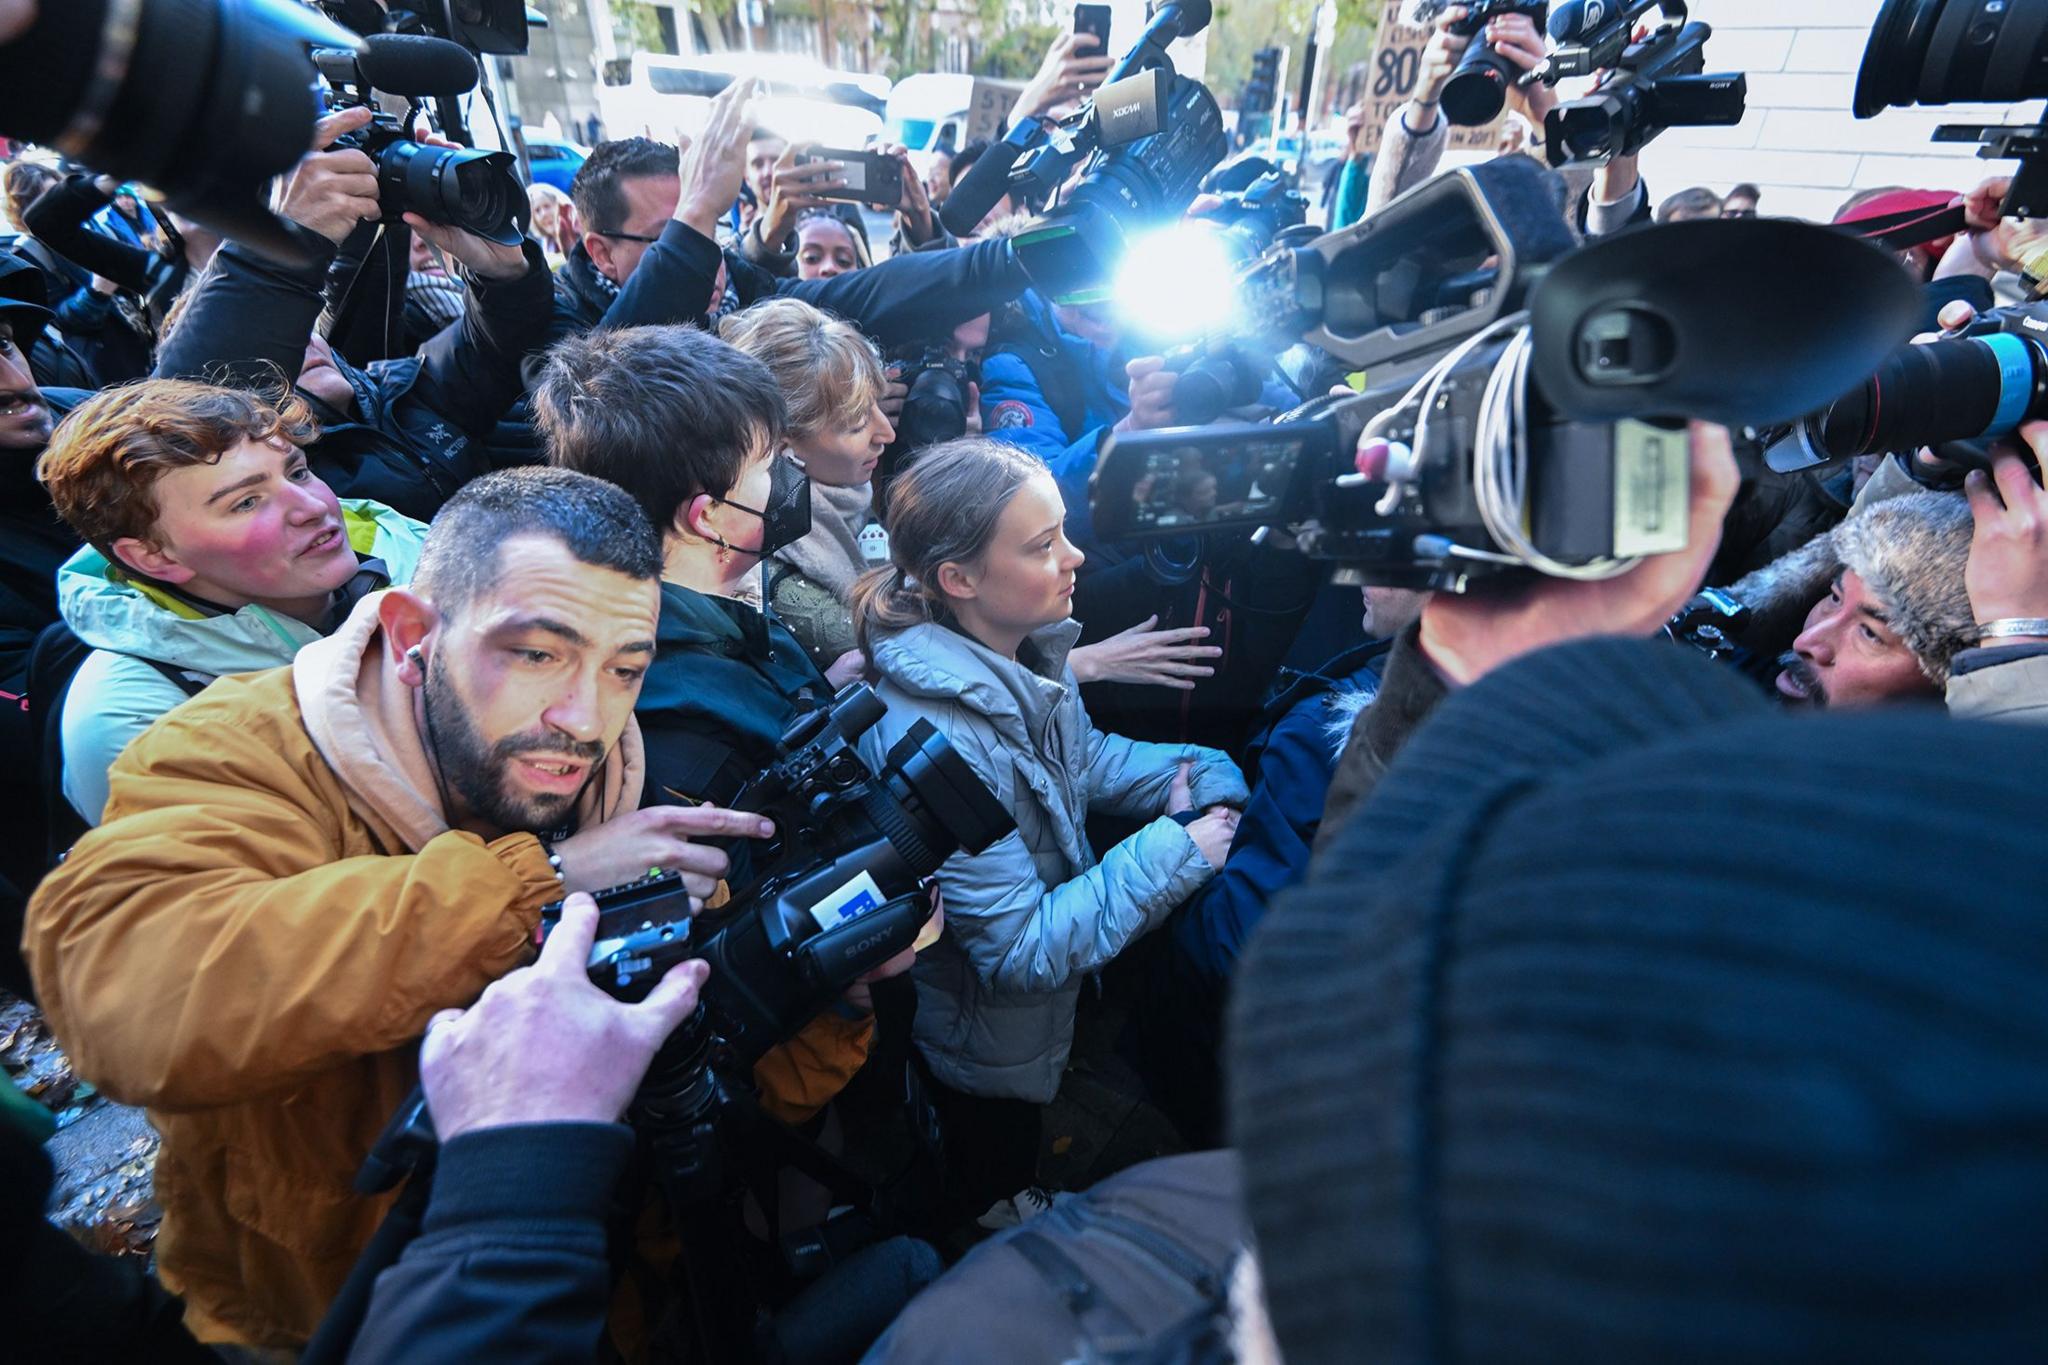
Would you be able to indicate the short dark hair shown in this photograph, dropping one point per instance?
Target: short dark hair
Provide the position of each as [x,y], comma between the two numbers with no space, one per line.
[666,413]
[600,203]
[964,159]
[596,521]
[1698,202]
[1744,191]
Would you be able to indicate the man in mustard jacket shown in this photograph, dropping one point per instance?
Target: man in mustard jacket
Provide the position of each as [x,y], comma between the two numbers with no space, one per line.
[298,868]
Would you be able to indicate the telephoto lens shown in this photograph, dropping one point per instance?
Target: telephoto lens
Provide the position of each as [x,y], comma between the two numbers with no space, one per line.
[466,187]
[1479,85]
[1970,388]
[1943,51]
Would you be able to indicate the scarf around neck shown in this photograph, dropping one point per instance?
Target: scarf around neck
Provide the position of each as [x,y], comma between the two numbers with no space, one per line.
[830,554]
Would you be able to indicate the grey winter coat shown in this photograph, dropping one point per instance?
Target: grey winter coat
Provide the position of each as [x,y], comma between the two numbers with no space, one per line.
[1030,916]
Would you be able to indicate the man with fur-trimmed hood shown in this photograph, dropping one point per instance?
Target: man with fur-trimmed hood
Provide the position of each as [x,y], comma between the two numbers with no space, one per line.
[1915,597]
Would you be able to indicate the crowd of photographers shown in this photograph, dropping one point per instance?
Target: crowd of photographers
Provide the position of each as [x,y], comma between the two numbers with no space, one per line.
[350,657]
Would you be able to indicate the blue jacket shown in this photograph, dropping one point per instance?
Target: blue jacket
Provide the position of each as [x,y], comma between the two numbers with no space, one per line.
[1291,764]
[1016,408]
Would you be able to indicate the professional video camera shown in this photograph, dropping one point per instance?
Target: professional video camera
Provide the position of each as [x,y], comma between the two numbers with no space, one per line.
[1524,396]
[840,892]
[1478,85]
[1652,85]
[1146,139]
[464,186]
[205,102]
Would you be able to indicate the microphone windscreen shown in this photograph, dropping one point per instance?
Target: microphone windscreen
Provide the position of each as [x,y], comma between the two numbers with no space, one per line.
[417,65]
[986,183]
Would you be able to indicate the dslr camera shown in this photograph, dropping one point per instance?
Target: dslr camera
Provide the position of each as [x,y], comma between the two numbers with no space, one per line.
[1479,84]
[463,186]
[1523,398]
[837,891]
[935,409]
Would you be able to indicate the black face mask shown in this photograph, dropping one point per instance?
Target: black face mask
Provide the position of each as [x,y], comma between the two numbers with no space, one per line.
[787,517]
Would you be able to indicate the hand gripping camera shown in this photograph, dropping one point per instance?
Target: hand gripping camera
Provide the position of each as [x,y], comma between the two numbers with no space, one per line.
[1524,395]
[839,887]
[840,893]
[1479,84]
[464,186]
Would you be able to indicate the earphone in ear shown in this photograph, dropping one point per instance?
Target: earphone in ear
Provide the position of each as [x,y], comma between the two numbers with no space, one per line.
[418,660]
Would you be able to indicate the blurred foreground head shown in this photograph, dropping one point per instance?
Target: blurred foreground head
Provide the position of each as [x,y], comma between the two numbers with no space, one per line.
[1631,1021]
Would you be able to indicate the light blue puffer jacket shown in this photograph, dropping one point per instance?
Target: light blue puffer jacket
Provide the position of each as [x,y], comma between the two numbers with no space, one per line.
[116,694]
[1029,917]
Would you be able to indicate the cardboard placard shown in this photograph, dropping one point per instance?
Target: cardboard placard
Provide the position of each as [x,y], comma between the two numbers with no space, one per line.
[1391,77]
[987,107]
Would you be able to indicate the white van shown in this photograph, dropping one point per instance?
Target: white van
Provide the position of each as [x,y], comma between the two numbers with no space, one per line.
[805,100]
[936,113]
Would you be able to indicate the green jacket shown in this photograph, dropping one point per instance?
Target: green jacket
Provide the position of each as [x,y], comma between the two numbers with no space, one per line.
[118,692]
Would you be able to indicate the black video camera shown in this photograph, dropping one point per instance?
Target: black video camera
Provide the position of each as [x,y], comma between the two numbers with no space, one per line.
[1478,85]
[463,186]
[1652,85]
[1523,396]
[1146,139]
[837,891]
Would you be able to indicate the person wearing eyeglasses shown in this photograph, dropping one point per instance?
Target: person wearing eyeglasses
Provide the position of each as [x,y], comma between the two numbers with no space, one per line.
[1741,202]
[650,254]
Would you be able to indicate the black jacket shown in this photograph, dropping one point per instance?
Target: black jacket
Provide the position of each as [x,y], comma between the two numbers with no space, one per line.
[510,1262]
[51,360]
[727,680]
[905,298]
[420,423]
[33,542]
[60,1302]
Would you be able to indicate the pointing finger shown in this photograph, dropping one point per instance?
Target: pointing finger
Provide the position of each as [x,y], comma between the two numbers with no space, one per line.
[567,950]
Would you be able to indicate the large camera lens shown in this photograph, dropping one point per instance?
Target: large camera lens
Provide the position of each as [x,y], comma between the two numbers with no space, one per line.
[1963,389]
[205,100]
[463,186]
[934,410]
[1478,87]
[1214,383]
[1942,51]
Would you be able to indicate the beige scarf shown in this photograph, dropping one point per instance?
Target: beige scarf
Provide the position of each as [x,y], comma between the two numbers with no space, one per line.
[361,718]
[830,554]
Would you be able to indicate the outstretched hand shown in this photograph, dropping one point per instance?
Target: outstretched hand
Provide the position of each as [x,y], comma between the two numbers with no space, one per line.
[715,165]
[1147,656]
[544,1045]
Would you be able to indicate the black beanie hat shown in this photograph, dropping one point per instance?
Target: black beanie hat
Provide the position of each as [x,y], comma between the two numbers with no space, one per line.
[1632,1022]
